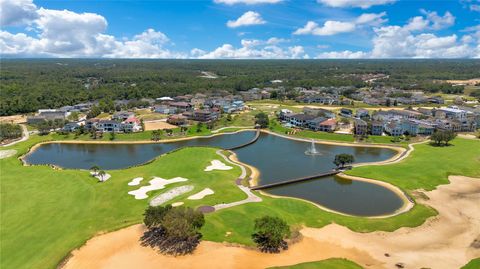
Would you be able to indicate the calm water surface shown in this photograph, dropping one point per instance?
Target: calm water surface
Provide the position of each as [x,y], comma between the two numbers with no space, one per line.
[280,159]
[275,157]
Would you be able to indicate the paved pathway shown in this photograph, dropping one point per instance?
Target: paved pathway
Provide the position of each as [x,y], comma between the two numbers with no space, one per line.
[251,197]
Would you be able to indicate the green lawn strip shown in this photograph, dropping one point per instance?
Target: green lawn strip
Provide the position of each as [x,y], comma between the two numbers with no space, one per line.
[473,264]
[333,263]
[238,221]
[428,166]
[46,212]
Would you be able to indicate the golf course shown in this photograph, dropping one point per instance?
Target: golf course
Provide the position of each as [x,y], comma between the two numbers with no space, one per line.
[48,212]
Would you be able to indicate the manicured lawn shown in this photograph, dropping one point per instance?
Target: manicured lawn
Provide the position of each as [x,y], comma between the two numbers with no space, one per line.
[333,263]
[428,166]
[46,213]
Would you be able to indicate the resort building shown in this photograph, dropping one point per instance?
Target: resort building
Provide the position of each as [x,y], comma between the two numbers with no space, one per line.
[177,119]
[203,115]
[131,125]
[109,126]
[122,115]
[376,128]
[360,127]
[328,125]
[301,120]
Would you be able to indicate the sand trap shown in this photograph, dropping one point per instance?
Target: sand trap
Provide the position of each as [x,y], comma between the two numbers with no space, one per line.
[169,195]
[217,165]
[201,194]
[177,204]
[156,183]
[442,242]
[7,153]
[102,179]
[136,181]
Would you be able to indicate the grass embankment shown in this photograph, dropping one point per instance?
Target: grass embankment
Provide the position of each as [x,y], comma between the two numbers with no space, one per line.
[473,264]
[334,263]
[46,213]
[428,166]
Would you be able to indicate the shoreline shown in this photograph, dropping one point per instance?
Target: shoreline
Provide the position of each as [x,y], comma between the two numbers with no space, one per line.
[402,153]
[441,242]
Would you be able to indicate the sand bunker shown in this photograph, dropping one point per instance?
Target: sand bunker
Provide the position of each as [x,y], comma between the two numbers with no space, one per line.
[7,153]
[156,183]
[444,241]
[201,194]
[169,195]
[217,165]
[177,204]
[136,181]
[101,178]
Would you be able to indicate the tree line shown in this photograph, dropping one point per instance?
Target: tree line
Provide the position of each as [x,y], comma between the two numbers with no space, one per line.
[27,85]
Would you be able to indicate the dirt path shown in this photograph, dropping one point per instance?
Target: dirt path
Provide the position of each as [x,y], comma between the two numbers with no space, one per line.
[442,242]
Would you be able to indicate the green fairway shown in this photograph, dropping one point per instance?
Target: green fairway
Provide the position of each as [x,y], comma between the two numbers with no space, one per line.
[333,263]
[428,166]
[46,212]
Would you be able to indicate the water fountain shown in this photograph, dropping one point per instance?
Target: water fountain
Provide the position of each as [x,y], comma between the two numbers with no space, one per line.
[312,150]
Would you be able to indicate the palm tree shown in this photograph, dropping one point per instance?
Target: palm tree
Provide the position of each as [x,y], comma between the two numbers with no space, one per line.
[101,174]
[94,169]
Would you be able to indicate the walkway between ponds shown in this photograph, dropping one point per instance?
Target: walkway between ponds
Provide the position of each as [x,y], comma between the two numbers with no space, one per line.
[251,198]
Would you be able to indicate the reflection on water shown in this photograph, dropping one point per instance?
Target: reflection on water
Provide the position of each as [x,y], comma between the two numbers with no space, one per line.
[276,158]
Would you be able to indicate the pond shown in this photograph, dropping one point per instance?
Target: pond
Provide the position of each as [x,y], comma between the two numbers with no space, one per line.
[276,158]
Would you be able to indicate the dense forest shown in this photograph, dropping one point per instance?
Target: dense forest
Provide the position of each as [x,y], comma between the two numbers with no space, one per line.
[29,84]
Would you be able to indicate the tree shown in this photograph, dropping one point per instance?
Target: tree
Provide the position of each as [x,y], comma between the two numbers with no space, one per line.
[73,116]
[270,234]
[262,120]
[440,136]
[342,159]
[199,127]
[173,230]
[112,136]
[94,111]
[388,102]
[142,124]
[156,134]
[448,136]
[101,174]
[94,169]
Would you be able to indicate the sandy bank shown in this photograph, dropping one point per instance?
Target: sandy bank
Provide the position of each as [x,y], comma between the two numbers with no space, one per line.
[442,242]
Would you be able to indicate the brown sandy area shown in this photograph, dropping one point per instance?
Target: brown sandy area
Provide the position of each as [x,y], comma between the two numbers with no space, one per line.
[442,242]
[158,124]
[13,119]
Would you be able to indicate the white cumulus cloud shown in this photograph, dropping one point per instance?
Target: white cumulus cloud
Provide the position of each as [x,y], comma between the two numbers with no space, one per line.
[328,28]
[248,18]
[255,50]
[355,3]
[17,12]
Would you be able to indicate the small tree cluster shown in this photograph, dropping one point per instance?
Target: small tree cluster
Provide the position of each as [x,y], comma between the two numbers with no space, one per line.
[173,230]
[270,234]
[10,131]
[342,159]
[157,135]
[442,136]
[261,119]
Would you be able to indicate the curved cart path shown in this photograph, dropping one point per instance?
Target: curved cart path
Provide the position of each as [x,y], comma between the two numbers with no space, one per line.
[251,197]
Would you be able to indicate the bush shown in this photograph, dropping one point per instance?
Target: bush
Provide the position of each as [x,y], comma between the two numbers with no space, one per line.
[173,230]
[270,233]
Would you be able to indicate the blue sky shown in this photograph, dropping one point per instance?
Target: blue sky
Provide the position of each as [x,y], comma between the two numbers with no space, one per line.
[241,29]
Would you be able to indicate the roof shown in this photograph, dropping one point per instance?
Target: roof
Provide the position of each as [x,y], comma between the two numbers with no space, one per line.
[302,117]
[181,104]
[360,122]
[329,122]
